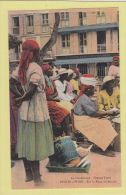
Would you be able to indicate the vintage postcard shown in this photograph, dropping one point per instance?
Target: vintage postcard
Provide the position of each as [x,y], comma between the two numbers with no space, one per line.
[63,116]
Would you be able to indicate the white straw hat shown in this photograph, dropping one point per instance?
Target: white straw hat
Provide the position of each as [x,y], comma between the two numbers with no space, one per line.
[70,71]
[109,78]
[61,71]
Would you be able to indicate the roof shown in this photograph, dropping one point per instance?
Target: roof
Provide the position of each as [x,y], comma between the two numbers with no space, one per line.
[84,60]
[88,28]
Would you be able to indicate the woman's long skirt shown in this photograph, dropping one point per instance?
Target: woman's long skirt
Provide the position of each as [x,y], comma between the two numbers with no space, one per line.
[34,140]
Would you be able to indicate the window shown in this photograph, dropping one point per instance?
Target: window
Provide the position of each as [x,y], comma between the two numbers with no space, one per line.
[82,18]
[101,41]
[64,19]
[100,17]
[83,43]
[83,68]
[101,69]
[45,23]
[16,25]
[30,24]
[117,16]
[65,44]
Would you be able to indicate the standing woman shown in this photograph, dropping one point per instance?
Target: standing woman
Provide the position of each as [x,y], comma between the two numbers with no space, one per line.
[34,132]
[114,68]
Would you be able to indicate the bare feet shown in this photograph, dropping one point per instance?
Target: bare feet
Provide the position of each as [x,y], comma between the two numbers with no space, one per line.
[39,183]
[107,153]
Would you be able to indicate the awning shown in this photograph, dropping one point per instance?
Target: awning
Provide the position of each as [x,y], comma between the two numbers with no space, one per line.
[89,28]
[84,60]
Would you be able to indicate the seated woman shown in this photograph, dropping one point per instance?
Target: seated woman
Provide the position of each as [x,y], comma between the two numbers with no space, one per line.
[109,97]
[70,88]
[75,81]
[61,86]
[59,116]
[88,120]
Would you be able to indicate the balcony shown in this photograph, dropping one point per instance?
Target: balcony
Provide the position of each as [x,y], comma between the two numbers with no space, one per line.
[83,49]
[101,47]
[14,57]
[30,29]
[45,28]
[16,31]
[65,50]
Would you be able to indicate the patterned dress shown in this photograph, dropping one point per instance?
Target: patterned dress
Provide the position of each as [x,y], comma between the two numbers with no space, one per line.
[56,112]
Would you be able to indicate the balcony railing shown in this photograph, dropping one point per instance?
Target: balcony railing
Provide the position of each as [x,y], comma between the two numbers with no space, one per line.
[30,29]
[101,47]
[83,49]
[45,28]
[16,31]
[66,50]
[14,56]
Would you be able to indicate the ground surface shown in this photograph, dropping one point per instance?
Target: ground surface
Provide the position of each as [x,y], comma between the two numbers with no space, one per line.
[104,172]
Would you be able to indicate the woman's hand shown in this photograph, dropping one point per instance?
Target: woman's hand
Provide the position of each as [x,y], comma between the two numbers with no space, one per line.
[17,103]
[53,99]
[72,101]
[114,113]
[57,100]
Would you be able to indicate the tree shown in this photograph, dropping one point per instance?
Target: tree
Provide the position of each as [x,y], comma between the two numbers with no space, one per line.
[48,46]
[13,42]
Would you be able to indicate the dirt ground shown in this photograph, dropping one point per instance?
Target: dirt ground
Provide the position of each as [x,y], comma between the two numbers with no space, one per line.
[104,172]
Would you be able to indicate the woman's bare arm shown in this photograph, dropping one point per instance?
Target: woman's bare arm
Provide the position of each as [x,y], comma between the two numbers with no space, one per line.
[27,96]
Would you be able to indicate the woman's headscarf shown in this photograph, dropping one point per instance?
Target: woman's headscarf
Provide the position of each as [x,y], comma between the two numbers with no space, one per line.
[26,57]
[45,68]
[48,80]
[87,81]
[75,71]
[113,60]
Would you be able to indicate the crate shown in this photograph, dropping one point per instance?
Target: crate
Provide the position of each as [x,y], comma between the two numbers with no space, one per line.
[56,167]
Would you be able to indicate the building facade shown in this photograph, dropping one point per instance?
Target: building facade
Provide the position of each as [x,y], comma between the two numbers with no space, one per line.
[87,38]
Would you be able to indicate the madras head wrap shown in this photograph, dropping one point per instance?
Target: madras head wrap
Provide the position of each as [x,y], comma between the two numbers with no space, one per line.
[87,81]
[45,68]
[48,80]
[75,70]
[26,57]
[113,60]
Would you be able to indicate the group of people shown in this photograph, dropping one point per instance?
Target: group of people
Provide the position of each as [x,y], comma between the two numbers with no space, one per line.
[49,95]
